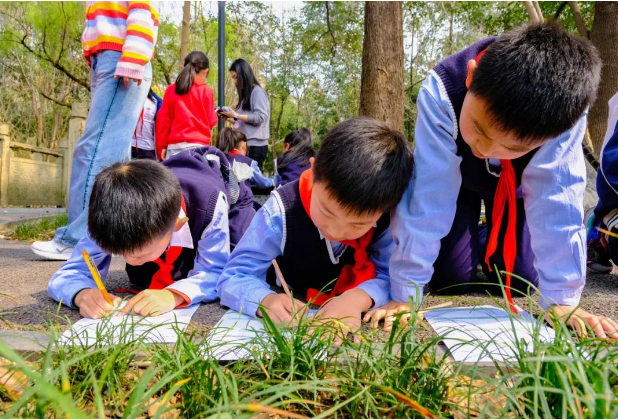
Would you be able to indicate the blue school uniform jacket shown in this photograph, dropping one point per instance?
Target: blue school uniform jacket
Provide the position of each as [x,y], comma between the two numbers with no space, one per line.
[219,211]
[282,229]
[553,181]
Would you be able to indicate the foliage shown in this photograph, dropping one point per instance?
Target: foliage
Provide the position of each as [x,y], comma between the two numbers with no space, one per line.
[308,59]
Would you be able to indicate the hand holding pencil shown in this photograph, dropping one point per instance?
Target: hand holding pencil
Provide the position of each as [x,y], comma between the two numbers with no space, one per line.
[282,307]
[95,303]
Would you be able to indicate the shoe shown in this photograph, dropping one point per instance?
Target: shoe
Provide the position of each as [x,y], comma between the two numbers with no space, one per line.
[598,257]
[52,250]
[598,254]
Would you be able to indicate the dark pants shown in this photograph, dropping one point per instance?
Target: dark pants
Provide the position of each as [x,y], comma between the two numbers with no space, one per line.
[143,154]
[465,246]
[258,153]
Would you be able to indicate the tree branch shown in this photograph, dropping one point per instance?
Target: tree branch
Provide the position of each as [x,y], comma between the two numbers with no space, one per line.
[55,64]
[43,94]
[531,8]
[330,30]
[579,20]
[560,10]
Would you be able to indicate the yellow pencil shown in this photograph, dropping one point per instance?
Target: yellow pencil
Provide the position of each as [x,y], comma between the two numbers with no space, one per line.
[96,276]
[607,232]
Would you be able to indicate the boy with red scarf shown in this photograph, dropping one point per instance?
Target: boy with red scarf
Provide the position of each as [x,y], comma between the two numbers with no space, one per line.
[328,230]
[501,121]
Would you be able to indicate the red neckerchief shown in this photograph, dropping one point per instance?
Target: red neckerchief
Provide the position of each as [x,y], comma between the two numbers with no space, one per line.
[351,276]
[163,277]
[235,152]
[505,193]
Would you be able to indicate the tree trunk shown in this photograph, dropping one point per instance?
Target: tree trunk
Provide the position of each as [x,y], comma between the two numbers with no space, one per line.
[604,35]
[410,111]
[186,31]
[382,81]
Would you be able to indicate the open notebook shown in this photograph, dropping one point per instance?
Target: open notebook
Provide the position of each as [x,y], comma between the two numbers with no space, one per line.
[231,337]
[486,333]
[124,329]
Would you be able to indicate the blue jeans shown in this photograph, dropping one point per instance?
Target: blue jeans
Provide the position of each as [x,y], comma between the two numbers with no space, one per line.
[111,121]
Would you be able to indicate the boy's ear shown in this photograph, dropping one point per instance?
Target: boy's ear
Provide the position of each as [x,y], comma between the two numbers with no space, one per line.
[471,69]
[180,223]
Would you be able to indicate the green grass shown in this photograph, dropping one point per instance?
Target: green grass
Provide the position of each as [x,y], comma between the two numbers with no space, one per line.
[296,374]
[39,230]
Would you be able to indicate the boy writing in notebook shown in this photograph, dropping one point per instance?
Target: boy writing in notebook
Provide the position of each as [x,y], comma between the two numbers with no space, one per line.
[501,121]
[173,223]
[332,223]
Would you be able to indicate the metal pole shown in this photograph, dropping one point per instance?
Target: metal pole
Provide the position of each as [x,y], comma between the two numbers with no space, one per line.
[222,66]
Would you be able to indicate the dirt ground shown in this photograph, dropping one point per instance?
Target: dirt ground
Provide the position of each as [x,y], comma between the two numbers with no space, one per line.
[24,277]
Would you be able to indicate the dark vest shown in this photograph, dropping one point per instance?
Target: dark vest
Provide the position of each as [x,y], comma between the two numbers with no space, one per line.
[453,71]
[305,262]
[291,171]
[201,181]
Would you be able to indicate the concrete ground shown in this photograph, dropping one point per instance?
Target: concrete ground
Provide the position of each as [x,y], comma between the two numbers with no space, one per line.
[24,277]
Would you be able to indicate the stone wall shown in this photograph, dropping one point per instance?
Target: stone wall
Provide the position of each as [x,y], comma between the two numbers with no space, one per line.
[37,176]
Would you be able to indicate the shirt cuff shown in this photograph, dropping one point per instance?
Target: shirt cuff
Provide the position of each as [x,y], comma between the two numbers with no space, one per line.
[402,292]
[122,71]
[251,119]
[72,304]
[188,290]
[377,292]
[182,295]
[251,304]
[560,297]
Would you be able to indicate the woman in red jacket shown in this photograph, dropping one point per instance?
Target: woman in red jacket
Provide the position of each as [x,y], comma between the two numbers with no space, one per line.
[188,113]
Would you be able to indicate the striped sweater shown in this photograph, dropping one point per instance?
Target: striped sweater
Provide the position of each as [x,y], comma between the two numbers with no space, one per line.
[126,26]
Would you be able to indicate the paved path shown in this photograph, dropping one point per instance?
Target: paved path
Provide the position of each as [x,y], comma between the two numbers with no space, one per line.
[24,277]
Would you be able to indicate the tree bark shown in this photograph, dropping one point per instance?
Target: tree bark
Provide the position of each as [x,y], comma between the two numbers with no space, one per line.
[604,35]
[382,80]
[185,32]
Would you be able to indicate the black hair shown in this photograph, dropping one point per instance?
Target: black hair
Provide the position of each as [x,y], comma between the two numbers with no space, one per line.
[537,80]
[365,165]
[132,204]
[245,82]
[195,62]
[229,139]
[301,148]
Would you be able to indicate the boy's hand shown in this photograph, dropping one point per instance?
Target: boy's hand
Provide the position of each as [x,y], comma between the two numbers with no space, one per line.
[344,312]
[388,313]
[126,80]
[579,319]
[280,309]
[163,154]
[92,304]
[153,302]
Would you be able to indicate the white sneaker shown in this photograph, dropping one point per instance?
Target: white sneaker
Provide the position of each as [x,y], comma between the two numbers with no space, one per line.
[52,250]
